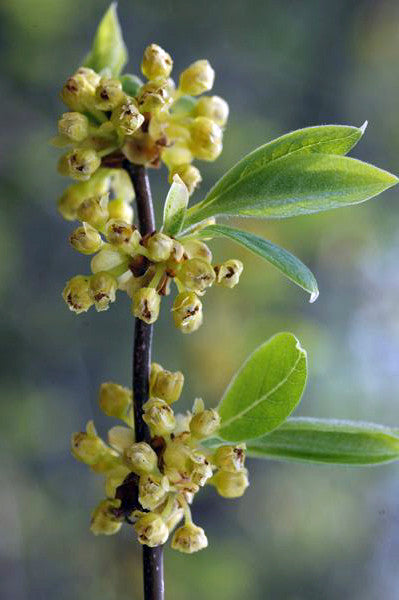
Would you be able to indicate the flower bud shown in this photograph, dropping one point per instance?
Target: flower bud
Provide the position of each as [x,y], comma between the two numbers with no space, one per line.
[196,274]
[123,235]
[156,62]
[229,458]
[167,385]
[126,118]
[229,484]
[159,417]
[190,176]
[78,91]
[103,520]
[82,163]
[175,155]
[201,471]
[146,305]
[187,312]
[77,294]
[152,96]
[153,490]
[141,458]
[197,78]
[197,249]
[87,446]
[206,139]
[77,193]
[115,400]
[228,274]
[86,239]
[189,538]
[74,126]
[159,247]
[109,259]
[176,459]
[118,209]
[94,210]
[120,438]
[205,423]
[103,287]
[151,530]
[108,94]
[214,108]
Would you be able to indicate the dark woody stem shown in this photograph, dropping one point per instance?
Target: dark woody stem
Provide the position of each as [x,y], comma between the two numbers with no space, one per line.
[154,588]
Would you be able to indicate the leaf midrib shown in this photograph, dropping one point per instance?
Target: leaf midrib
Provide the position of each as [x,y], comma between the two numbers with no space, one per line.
[263,398]
[270,162]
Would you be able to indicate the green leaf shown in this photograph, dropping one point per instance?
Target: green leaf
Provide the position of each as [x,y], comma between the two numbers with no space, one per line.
[175,207]
[301,180]
[265,390]
[130,84]
[328,441]
[108,50]
[283,260]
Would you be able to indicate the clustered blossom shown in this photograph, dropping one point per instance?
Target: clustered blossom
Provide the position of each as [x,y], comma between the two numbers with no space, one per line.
[125,120]
[168,471]
[143,267]
[148,123]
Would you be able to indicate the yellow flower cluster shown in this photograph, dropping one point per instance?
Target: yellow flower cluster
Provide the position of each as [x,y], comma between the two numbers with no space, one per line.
[146,123]
[167,472]
[144,267]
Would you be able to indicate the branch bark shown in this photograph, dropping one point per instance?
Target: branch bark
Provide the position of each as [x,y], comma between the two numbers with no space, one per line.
[152,557]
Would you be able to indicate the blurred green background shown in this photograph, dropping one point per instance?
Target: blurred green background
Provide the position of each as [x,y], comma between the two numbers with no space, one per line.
[300,532]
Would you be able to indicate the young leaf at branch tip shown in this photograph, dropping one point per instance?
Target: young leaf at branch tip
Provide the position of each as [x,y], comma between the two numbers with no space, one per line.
[283,260]
[109,50]
[175,207]
[265,390]
[328,441]
[300,173]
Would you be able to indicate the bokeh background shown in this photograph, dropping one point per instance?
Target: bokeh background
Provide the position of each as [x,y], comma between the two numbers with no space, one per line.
[301,532]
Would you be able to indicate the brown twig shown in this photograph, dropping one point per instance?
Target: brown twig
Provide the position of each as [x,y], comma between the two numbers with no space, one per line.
[152,557]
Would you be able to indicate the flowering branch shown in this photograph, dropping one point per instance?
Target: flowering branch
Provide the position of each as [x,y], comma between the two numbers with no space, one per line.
[118,127]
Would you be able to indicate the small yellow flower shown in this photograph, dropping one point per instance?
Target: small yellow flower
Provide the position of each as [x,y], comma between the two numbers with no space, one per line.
[197,78]
[159,417]
[82,163]
[153,490]
[77,294]
[187,312]
[141,458]
[74,126]
[205,423]
[196,274]
[231,484]
[189,538]
[115,400]
[156,62]
[108,94]
[86,239]
[166,385]
[103,520]
[228,274]
[146,304]
[87,446]
[151,530]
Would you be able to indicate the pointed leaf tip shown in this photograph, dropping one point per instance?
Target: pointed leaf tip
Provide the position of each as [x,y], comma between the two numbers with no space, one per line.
[281,259]
[364,127]
[108,50]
